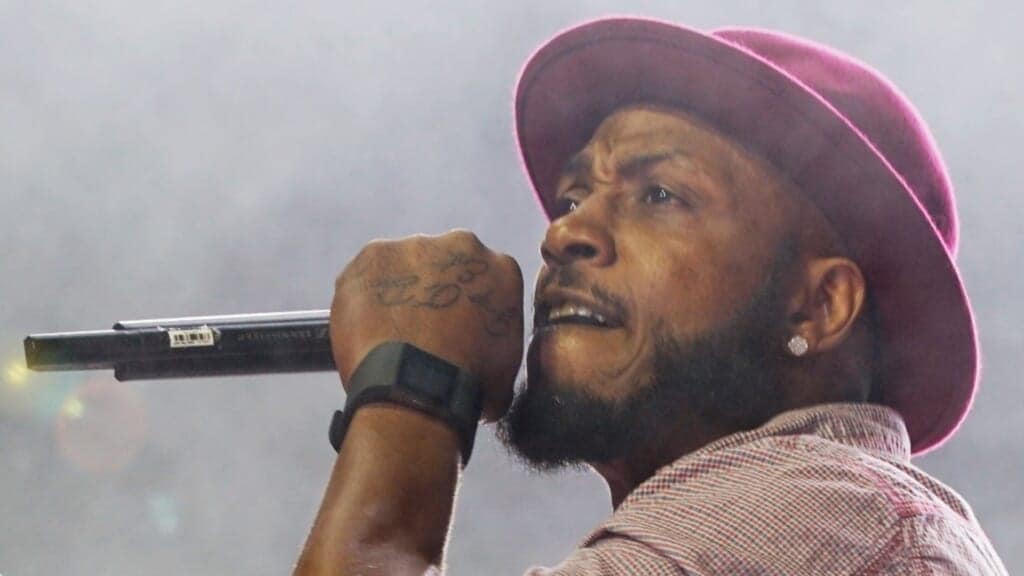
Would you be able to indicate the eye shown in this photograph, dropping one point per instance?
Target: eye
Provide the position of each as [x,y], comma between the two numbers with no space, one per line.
[565,205]
[658,194]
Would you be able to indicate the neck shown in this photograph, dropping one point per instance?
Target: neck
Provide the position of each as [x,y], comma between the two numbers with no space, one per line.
[620,479]
[624,474]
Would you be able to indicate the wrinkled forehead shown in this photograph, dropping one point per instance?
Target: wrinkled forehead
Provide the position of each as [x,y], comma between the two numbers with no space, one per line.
[649,132]
[641,124]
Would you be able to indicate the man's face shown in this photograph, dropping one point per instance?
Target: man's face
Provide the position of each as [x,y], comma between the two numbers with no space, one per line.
[676,238]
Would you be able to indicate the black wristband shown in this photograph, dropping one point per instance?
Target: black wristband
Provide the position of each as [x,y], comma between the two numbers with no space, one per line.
[400,373]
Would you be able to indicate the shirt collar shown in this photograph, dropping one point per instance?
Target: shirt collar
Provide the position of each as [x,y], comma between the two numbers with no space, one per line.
[872,428]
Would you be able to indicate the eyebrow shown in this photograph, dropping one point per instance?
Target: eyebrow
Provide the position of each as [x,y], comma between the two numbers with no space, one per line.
[580,163]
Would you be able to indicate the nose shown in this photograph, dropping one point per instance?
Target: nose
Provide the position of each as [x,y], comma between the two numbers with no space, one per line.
[581,236]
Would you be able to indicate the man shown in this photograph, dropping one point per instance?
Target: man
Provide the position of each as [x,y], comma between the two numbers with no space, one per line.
[747,320]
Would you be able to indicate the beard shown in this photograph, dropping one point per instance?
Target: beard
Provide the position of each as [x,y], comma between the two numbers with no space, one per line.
[726,378]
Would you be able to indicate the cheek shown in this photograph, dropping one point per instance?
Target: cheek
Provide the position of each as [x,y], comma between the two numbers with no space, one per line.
[691,290]
[676,292]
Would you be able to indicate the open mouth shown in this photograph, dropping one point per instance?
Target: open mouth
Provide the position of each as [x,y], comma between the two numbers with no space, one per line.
[569,314]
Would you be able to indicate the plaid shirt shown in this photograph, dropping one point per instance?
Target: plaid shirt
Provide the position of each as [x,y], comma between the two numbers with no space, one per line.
[822,490]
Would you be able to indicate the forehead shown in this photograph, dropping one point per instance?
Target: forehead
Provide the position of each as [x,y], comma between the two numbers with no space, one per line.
[648,121]
[649,131]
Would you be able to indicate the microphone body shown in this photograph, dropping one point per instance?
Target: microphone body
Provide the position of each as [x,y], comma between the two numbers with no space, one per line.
[234,344]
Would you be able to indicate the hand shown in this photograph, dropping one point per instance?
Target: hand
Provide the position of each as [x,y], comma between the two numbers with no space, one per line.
[449,295]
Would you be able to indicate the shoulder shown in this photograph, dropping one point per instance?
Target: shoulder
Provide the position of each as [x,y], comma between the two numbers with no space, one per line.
[796,504]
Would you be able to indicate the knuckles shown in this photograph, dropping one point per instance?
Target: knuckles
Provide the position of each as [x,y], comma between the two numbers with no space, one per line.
[513,265]
[417,248]
[465,236]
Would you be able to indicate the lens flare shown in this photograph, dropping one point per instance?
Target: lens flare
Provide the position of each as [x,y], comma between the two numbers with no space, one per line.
[16,374]
[19,390]
[36,397]
[101,426]
[72,408]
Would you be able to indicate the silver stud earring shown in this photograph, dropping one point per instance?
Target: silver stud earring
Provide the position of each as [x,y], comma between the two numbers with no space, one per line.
[797,345]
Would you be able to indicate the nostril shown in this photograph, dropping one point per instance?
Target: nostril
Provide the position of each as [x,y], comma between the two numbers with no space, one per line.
[563,245]
[581,250]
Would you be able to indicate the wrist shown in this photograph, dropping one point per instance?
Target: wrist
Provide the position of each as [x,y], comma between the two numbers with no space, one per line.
[401,429]
[398,373]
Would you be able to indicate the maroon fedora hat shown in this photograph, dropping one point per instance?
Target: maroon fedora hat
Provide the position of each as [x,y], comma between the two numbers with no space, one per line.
[843,134]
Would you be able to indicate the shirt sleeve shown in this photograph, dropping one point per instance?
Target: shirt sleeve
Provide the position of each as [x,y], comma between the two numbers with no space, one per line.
[613,556]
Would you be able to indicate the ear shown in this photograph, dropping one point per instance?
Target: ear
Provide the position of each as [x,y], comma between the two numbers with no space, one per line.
[826,302]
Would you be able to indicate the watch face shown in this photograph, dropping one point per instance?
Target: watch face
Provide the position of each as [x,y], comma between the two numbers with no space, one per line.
[426,374]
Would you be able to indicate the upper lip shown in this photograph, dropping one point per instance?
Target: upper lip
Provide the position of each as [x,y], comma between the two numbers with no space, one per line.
[555,297]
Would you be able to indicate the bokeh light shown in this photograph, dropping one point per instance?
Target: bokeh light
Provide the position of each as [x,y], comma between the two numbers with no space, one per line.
[101,426]
[16,374]
[72,408]
[34,397]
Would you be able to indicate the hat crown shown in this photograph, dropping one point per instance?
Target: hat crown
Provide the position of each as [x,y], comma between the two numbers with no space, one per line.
[873,107]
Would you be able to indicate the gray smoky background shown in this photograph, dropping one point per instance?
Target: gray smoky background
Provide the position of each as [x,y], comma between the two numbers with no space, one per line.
[189,158]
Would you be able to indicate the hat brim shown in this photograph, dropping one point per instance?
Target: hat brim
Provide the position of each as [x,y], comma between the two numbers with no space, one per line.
[928,346]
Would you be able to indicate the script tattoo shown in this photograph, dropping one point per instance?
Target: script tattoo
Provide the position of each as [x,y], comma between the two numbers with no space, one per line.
[470,267]
[500,322]
[410,290]
[441,295]
[394,291]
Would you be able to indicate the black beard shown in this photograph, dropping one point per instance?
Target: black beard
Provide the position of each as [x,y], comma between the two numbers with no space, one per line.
[728,379]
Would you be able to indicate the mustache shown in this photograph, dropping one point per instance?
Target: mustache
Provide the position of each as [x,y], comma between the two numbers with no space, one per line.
[570,277]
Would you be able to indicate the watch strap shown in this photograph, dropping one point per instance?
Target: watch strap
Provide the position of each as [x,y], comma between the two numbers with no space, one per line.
[400,373]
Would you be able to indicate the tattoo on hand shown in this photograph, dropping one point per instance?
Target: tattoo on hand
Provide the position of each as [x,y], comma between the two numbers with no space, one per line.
[470,267]
[400,291]
[407,291]
[500,322]
[441,295]
[394,291]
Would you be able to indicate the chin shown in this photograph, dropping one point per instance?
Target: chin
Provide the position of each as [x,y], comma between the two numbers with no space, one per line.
[557,421]
[565,363]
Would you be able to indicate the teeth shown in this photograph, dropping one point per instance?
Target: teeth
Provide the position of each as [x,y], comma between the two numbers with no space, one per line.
[574,310]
